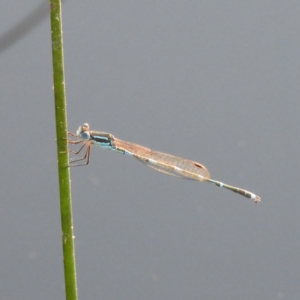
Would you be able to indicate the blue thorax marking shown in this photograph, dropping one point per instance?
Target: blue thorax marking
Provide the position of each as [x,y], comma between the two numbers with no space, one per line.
[104,140]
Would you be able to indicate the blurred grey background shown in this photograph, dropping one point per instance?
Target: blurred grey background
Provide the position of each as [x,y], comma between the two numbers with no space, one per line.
[216,82]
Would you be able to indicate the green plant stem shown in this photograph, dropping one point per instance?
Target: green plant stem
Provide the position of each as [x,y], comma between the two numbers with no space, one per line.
[62,151]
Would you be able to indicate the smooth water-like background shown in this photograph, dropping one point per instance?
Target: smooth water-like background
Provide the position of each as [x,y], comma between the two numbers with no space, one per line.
[216,82]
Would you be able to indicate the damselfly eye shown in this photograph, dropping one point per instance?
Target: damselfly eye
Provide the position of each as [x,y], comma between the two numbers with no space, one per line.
[85,135]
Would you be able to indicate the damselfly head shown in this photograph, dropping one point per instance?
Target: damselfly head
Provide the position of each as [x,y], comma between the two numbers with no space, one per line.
[83,131]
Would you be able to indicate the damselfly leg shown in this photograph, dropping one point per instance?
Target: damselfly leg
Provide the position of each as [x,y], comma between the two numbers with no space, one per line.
[87,152]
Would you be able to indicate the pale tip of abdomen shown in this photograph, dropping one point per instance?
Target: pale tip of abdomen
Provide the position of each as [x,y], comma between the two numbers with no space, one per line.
[255,198]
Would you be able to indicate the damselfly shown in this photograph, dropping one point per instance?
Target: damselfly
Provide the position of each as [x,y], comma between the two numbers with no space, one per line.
[159,161]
